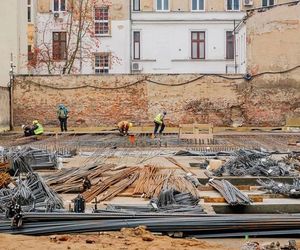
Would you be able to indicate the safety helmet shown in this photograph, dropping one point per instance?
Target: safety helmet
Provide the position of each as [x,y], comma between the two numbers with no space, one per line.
[23,126]
[130,124]
[165,112]
[35,122]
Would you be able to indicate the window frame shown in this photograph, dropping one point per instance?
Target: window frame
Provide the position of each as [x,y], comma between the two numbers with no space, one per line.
[163,10]
[199,41]
[104,68]
[103,21]
[29,11]
[139,45]
[60,42]
[59,6]
[226,45]
[232,1]
[29,53]
[134,5]
[268,3]
[198,10]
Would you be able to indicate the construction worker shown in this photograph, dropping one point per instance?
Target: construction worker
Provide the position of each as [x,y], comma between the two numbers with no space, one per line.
[35,129]
[124,126]
[27,130]
[159,122]
[62,115]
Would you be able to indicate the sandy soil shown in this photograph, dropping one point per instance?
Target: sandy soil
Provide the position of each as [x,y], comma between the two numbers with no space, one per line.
[127,239]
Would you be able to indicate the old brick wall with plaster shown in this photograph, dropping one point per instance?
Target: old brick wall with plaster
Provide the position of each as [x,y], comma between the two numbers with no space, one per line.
[98,100]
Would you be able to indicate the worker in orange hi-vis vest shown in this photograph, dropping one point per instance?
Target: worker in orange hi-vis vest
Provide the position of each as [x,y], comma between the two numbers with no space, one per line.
[124,127]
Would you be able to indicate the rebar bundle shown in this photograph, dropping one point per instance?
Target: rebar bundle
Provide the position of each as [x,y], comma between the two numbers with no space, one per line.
[231,194]
[71,180]
[30,190]
[255,163]
[272,186]
[31,193]
[199,226]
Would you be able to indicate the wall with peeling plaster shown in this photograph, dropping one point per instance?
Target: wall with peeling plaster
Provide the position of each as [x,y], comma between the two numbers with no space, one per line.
[273,39]
[265,101]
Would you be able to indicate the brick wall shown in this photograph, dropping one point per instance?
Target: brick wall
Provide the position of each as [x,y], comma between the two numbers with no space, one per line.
[266,100]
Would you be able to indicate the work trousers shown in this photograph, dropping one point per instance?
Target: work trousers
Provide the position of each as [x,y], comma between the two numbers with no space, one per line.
[63,124]
[28,132]
[156,127]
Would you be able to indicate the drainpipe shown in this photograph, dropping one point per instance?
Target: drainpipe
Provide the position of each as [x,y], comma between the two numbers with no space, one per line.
[234,47]
[11,83]
[130,36]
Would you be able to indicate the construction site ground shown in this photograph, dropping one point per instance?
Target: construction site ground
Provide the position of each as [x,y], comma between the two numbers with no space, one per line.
[125,240]
[143,150]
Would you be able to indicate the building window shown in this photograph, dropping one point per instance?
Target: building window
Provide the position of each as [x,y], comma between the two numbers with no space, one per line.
[29,53]
[136,45]
[136,5]
[197,5]
[101,21]
[233,4]
[229,45]
[59,5]
[198,45]
[29,11]
[102,63]
[266,3]
[162,5]
[59,45]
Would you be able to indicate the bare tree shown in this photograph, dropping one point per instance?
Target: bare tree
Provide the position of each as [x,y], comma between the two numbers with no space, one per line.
[80,41]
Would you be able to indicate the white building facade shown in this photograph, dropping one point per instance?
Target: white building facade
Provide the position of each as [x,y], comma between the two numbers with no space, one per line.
[103,46]
[144,36]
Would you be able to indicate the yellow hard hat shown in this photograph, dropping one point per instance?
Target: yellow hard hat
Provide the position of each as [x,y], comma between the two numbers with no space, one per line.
[35,122]
[130,124]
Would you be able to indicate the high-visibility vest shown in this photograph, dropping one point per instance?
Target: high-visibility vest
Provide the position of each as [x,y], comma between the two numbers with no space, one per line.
[159,119]
[39,130]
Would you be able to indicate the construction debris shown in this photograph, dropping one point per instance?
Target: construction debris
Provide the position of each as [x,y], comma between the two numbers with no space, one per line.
[291,245]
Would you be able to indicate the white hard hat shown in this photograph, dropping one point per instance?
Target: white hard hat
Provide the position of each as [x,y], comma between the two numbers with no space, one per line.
[23,126]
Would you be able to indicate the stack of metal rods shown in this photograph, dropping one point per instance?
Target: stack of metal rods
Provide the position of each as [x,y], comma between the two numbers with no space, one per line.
[195,226]
[70,180]
[231,194]
[255,163]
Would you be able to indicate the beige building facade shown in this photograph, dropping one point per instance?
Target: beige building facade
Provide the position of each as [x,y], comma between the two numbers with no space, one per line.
[13,51]
[272,40]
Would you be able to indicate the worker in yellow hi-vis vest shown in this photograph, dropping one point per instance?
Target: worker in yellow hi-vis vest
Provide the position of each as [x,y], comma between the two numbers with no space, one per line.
[159,122]
[35,129]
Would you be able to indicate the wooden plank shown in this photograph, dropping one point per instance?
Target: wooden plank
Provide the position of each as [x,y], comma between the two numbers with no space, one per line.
[214,199]
[207,199]
[256,198]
